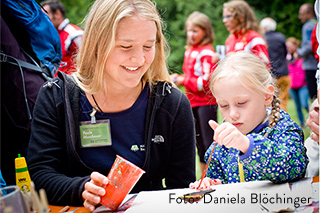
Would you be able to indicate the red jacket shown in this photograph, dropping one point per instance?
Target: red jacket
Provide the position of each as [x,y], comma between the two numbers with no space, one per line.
[249,42]
[71,37]
[197,68]
[314,42]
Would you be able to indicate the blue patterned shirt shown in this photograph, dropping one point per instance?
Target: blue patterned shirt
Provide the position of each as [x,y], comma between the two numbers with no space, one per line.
[279,157]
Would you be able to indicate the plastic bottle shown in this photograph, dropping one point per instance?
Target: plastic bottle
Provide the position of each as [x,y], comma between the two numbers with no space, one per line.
[22,174]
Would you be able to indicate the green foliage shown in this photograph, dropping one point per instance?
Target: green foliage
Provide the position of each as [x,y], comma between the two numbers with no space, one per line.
[175,13]
[76,10]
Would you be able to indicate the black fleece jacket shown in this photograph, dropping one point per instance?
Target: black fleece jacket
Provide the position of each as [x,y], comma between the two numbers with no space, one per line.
[55,165]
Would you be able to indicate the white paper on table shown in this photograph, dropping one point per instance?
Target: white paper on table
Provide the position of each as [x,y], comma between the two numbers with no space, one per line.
[103,208]
[237,197]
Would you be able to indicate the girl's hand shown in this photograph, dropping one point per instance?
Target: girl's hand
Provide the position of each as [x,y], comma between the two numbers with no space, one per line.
[206,183]
[174,77]
[215,58]
[93,190]
[177,79]
[228,135]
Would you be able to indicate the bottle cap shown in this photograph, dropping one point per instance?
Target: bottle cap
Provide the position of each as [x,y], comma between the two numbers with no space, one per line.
[20,162]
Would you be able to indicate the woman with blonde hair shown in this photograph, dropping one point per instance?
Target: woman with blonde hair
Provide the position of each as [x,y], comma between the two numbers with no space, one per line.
[119,102]
[197,67]
[241,22]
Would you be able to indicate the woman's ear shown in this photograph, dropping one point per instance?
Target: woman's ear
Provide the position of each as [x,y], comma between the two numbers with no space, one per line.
[269,95]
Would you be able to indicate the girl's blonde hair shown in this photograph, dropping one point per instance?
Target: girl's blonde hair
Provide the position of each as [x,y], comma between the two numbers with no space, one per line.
[252,74]
[243,13]
[99,38]
[201,20]
[294,40]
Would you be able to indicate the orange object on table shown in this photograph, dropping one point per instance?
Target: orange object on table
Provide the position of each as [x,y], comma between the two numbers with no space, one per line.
[56,209]
[122,178]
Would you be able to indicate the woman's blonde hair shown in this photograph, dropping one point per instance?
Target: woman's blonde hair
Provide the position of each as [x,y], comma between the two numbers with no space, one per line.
[201,20]
[243,13]
[252,74]
[99,38]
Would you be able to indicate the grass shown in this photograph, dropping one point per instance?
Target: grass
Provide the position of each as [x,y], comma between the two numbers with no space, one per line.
[291,109]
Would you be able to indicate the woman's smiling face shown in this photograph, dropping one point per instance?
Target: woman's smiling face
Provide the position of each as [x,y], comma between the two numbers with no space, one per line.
[133,53]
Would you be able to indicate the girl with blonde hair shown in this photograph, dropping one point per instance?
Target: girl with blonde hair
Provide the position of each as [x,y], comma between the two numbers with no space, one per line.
[119,102]
[197,67]
[255,142]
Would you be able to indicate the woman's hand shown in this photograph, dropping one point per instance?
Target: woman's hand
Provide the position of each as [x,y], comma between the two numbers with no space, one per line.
[228,135]
[206,183]
[93,190]
[313,123]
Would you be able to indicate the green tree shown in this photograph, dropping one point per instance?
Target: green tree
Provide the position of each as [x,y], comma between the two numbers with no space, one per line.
[175,12]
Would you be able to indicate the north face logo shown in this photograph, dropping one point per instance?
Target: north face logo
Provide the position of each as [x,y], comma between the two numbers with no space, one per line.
[158,139]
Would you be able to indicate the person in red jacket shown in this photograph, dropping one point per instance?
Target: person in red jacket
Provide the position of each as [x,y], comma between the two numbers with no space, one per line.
[197,67]
[241,22]
[70,34]
[314,42]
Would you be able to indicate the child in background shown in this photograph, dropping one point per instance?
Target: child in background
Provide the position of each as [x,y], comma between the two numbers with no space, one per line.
[255,142]
[299,90]
[197,68]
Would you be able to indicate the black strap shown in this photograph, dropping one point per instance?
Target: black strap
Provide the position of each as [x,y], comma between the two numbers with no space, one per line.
[96,103]
[14,61]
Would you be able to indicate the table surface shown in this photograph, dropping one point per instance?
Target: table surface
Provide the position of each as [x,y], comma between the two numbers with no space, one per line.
[56,209]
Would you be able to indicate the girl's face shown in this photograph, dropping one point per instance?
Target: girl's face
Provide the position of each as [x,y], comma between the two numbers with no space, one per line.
[291,47]
[229,21]
[195,34]
[133,53]
[242,107]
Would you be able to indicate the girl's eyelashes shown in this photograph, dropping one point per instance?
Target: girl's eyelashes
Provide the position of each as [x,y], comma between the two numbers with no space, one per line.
[241,103]
[238,103]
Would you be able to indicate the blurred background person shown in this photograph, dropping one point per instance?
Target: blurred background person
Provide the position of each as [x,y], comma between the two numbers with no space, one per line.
[299,91]
[241,22]
[307,17]
[197,67]
[70,34]
[277,50]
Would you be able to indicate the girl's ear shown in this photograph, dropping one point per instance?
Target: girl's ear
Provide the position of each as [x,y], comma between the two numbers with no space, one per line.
[269,95]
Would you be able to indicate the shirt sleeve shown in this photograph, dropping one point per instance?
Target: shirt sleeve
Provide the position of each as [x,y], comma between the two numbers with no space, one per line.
[305,48]
[279,157]
[49,154]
